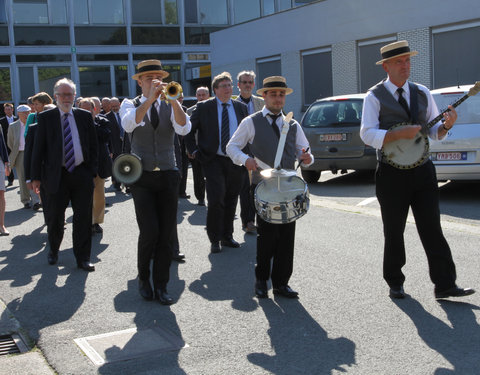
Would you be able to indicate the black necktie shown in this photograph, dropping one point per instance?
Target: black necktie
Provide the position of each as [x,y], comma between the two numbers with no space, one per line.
[225,127]
[274,123]
[154,115]
[402,101]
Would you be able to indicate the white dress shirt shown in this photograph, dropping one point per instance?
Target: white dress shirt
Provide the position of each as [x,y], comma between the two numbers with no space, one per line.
[128,111]
[369,130]
[246,133]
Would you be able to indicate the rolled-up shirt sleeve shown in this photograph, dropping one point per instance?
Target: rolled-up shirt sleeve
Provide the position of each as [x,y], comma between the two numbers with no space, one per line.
[243,135]
[369,130]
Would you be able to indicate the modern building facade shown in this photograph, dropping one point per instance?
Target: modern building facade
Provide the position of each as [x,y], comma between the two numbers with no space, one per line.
[330,47]
[98,43]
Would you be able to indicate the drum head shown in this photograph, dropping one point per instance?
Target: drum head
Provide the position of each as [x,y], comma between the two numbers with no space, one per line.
[268,173]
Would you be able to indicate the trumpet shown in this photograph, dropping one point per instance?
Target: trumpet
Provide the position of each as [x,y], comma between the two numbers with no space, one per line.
[173,91]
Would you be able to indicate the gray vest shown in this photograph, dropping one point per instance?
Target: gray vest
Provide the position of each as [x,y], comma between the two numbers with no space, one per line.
[155,146]
[392,113]
[265,144]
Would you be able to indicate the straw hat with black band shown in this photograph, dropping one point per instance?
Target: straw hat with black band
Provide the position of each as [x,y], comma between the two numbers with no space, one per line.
[275,83]
[395,49]
[150,66]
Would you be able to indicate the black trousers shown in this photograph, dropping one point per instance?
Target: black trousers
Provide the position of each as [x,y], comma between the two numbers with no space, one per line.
[223,182]
[397,190]
[198,180]
[275,242]
[184,167]
[75,187]
[155,196]
[247,209]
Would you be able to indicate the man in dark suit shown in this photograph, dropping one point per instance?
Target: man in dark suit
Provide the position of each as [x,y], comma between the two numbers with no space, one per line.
[214,121]
[6,121]
[64,162]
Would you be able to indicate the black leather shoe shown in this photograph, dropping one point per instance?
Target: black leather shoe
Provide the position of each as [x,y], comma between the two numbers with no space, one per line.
[163,297]
[454,292]
[86,266]
[285,291]
[145,289]
[27,205]
[52,258]
[215,247]
[96,228]
[397,292]
[261,289]
[179,257]
[37,206]
[230,243]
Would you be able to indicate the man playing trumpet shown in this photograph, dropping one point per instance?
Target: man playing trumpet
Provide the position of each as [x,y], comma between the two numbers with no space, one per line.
[152,122]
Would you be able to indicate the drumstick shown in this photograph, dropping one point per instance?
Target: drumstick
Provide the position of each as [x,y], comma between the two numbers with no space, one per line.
[301,161]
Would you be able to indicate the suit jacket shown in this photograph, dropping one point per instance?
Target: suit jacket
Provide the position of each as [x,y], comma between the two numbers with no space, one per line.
[102,128]
[205,124]
[13,141]
[5,126]
[258,102]
[27,155]
[47,156]
[3,149]
[116,135]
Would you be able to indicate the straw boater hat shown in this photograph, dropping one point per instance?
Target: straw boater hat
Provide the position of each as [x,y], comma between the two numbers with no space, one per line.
[275,83]
[395,49]
[150,66]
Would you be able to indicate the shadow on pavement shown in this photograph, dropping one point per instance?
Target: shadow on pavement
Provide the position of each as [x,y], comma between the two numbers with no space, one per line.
[458,344]
[301,345]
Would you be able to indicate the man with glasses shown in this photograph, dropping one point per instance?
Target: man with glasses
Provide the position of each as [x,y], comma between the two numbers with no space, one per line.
[214,121]
[64,162]
[246,83]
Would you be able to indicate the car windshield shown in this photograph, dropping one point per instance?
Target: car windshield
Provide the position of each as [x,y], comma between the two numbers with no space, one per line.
[468,111]
[328,113]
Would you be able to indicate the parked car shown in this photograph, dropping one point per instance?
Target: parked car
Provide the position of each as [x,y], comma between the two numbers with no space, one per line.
[332,127]
[457,157]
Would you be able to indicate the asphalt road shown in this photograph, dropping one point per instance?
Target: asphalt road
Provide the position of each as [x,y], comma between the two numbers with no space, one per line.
[343,322]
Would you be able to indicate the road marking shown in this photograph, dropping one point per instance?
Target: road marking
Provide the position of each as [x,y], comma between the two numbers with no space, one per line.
[367,201]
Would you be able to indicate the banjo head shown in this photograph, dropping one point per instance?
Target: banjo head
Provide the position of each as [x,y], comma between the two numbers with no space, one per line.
[406,153]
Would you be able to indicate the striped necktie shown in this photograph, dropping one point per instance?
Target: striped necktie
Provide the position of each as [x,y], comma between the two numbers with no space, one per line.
[154,115]
[402,101]
[225,128]
[68,145]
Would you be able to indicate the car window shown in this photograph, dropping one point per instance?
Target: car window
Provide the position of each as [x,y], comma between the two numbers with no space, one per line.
[334,112]
[468,111]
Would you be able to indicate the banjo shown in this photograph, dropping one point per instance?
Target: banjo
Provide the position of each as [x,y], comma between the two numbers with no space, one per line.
[410,153]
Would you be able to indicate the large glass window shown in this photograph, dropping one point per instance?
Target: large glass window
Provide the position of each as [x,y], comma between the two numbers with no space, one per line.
[37,11]
[38,58]
[268,67]
[5,86]
[245,10]
[317,75]
[155,35]
[3,14]
[171,14]
[47,76]
[4,36]
[206,12]
[370,73]
[268,7]
[98,12]
[147,11]
[454,59]
[284,4]
[95,81]
[47,35]
[27,87]
[100,35]
[121,81]
[199,35]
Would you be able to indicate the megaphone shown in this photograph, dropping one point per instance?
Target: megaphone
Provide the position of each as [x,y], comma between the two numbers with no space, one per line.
[127,168]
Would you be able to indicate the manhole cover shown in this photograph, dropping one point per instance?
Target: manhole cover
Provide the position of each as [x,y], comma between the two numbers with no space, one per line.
[11,344]
[128,344]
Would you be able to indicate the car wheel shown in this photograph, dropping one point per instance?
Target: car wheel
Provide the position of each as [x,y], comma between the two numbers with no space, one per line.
[310,177]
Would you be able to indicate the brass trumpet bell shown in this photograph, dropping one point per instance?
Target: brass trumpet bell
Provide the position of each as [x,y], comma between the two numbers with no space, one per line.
[173,90]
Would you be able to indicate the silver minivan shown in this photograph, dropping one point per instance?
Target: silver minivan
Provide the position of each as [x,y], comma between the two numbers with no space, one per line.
[332,127]
[457,157]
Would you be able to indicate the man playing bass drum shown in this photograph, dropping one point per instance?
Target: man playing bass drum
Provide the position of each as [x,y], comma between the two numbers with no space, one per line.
[261,131]
[396,100]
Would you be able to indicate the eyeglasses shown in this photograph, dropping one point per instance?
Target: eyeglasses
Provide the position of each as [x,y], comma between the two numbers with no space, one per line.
[251,82]
[225,86]
[65,95]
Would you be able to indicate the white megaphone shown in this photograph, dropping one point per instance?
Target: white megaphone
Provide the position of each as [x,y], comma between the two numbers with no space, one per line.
[127,168]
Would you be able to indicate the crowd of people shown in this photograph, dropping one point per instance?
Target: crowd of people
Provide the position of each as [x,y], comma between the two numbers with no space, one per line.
[64,155]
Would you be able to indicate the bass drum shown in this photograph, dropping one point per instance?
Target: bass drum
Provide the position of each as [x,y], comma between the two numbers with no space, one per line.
[282,200]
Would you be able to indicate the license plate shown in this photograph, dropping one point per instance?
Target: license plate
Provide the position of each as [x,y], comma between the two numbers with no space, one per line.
[333,137]
[450,156]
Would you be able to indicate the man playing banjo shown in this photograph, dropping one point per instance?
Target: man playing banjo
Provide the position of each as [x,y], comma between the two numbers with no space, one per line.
[392,101]
[261,131]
